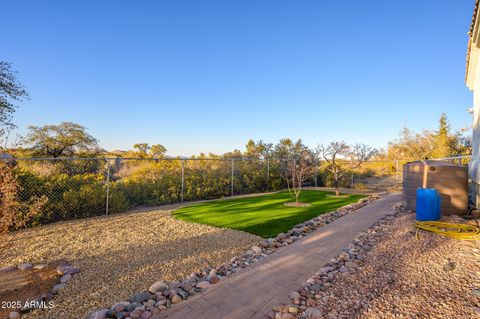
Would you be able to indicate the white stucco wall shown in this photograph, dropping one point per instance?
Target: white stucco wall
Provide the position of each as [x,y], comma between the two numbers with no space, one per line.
[473,82]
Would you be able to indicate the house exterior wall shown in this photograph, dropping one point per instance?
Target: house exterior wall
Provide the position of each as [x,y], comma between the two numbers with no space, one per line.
[473,83]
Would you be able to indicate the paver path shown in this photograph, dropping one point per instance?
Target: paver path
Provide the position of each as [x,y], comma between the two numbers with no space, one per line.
[252,292]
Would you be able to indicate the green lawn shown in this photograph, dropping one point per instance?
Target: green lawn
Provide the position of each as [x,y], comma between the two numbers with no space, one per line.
[264,215]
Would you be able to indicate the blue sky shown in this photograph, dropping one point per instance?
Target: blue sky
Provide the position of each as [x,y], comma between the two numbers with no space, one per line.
[206,76]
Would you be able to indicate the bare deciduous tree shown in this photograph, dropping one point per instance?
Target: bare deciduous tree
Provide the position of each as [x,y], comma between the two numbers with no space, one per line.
[298,165]
[342,158]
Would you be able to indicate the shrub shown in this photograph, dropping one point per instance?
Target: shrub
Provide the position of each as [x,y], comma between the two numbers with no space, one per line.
[15,213]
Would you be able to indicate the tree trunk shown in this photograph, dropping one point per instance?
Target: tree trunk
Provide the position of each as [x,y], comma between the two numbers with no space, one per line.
[297,195]
[337,191]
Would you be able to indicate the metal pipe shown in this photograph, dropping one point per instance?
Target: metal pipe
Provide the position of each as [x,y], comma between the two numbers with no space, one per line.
[108,188]
[231,185]
[183,180]
[268,173]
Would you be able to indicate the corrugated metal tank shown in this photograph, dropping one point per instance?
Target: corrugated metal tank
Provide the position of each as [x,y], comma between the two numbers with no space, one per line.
[450,180]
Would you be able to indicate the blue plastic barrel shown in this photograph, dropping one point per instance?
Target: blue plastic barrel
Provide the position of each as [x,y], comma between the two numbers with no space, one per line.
[428,204]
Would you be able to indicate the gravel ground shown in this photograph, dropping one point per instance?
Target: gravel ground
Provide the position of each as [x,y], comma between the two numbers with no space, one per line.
[400,276]
[121,255]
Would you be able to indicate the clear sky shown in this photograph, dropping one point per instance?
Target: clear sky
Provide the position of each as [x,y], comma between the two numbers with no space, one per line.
[206,76]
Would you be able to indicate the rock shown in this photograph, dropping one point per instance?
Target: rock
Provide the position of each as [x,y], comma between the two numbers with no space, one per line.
[57,288]
[136,314]
[176,299]
[25,266]
[186,286]
[476,292]
[281,236]
[316,287]
[100,314]
[350,264]
[449,266]
[132,307]
[326,270]
[140,297]
[313,313]
[293,310]
[170,293]
[214,280]
[287,316]
[63,270]
[120,306]
[46,296]
[182,293]
[14,315]
[40,266]
[158,286]
[65,278]
[146,315]
[294,295]
[7,269]
[203,284]
[256,249]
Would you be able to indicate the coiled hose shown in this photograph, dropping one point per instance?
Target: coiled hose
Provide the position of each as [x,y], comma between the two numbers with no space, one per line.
[457,231]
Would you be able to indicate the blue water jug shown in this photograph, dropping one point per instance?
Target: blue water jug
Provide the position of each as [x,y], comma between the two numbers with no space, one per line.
[428,204]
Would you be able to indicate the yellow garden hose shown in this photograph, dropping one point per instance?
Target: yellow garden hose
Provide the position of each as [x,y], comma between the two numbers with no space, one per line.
[457,231]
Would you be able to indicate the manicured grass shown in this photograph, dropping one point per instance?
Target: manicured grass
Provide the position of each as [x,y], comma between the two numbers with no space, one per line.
[264,215]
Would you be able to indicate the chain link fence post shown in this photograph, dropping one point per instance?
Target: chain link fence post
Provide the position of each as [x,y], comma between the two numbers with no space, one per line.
[231,184]
[397,174]
[183,181]
[108,187]
[316,173]
[352,182]
[268,174]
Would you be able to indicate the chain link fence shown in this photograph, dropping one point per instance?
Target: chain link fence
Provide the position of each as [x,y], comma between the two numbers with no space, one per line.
[75,188]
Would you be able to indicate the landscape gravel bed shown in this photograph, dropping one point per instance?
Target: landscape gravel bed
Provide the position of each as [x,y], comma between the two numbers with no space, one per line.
[120,255]
[387,272]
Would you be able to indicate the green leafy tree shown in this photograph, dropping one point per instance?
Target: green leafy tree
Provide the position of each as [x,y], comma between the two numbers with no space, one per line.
[64,139]
[430,144]
[258,149]
[443,137]
[157,151]
[11,91]
[141,149]
[412,146]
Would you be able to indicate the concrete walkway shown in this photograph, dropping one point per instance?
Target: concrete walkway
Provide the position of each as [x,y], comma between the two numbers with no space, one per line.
[252,292]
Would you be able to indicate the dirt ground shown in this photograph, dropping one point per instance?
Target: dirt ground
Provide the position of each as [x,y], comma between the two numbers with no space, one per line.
[21,286]
[120,255]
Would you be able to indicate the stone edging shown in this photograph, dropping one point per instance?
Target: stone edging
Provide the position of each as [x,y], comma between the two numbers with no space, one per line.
[162,295]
